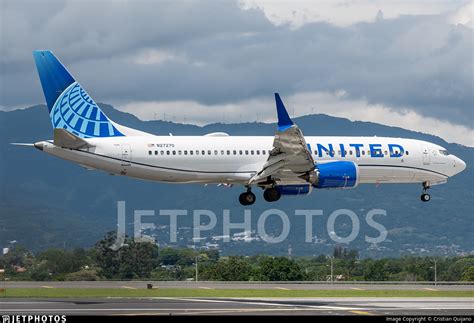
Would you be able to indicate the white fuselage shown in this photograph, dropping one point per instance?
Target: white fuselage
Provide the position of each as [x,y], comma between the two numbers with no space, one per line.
[235,159]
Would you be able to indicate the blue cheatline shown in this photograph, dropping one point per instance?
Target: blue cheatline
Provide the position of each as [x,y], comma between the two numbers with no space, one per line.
[70,107]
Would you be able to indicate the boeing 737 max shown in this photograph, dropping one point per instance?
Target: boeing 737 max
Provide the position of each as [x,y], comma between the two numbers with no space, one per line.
[286,164]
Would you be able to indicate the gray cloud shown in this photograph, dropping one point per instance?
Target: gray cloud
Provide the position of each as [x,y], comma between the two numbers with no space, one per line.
[218,53]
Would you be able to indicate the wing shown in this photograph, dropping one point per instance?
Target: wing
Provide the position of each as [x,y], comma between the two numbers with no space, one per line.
[290,159]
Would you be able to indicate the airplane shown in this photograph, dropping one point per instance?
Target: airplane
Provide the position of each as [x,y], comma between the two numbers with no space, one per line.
[286,164]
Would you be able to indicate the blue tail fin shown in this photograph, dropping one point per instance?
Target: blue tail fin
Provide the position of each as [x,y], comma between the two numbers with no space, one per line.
[70,107]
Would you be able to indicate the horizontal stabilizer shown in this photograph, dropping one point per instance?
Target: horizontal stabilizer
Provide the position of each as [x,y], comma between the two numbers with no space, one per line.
[65,139]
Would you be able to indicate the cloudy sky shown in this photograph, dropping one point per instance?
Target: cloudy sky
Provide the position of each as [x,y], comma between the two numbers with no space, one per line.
[404,63]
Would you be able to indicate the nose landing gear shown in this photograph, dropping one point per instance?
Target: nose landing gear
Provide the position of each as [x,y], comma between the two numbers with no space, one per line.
[425,197]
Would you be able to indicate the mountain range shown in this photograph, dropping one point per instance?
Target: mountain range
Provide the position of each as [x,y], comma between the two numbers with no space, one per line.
[47,202]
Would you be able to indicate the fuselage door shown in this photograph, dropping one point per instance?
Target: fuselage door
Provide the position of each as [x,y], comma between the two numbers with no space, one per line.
[126,156]
[426,156]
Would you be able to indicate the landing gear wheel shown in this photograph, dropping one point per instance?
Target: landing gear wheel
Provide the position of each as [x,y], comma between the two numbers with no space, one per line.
[271,194]
[247,198]
[425,197]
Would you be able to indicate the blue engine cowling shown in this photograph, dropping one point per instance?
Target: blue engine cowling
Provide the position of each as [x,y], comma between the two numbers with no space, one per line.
[337,174]
[304,189]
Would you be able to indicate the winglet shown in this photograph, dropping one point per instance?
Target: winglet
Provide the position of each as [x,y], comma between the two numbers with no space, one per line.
[284,120]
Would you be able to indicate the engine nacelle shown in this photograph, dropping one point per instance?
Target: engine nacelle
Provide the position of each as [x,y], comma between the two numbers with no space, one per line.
[337,174]
[303,189]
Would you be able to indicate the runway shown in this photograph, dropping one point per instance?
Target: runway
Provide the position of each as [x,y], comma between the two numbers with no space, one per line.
[239,285]
[233,306]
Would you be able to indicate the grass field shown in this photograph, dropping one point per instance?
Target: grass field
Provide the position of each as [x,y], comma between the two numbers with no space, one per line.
[114,292]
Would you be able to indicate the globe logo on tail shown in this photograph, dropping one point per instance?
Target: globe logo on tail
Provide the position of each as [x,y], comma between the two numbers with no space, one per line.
[75,111]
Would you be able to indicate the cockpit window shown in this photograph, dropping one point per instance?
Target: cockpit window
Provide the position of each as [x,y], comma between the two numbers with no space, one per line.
[444,152]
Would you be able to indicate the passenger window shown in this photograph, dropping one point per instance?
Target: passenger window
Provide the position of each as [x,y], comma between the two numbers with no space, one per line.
[386,153]
[235,152]
[167,152]
[203,152]
[190,152]
[208,152]
[258,152]
[149,152]
[215,152]
[407,152]
[228,152]
[179,152]
[251,152]
[156,152]
[240,152]
[263,152]
[350,152]
[174,152]
[246,152]
[186,152]
[363,152]
[197,152]
[316,152]
[222,152]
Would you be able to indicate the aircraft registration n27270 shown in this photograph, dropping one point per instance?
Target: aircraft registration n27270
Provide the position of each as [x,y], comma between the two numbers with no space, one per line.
[286,164]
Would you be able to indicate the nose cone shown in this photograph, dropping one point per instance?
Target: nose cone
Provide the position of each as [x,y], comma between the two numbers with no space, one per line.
[459,165]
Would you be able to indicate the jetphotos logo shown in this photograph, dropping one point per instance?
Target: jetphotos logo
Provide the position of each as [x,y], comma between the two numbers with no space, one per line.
[18,318]
[208,221]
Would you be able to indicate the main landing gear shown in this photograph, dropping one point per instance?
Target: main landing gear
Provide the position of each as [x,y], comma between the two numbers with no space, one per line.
[425,197]
[247,198]
[271,194]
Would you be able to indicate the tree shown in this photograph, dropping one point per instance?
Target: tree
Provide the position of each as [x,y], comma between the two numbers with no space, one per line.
[162,274]
[58,261]
[169,256]
[343,253]
[279,269]
[338,251]
[132,260]
[212,254]
[83,275]
[107,260]
[456,269]
[39,272]
[17,256]
[374,270]
[228,269]
[468,274]
[181,257]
